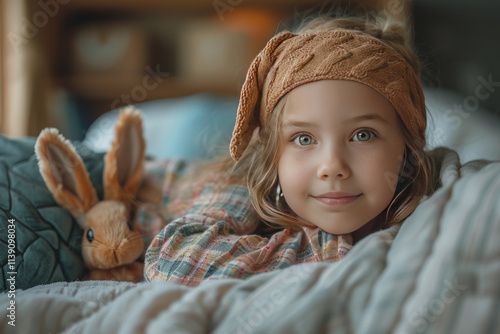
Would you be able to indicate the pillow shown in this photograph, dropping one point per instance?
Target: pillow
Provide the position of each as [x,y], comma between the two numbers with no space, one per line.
[47,238]
[453,123]
[195,127]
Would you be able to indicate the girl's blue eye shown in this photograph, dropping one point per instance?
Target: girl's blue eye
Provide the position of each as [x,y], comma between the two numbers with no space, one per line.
[363,135]
[303,140]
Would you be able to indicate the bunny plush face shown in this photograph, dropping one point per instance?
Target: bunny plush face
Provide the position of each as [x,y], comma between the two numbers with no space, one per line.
[108,239]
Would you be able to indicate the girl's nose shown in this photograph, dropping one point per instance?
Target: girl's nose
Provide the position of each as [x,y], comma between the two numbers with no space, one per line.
[334,167]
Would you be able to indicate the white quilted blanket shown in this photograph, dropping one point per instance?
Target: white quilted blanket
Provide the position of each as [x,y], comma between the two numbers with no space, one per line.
[437,273]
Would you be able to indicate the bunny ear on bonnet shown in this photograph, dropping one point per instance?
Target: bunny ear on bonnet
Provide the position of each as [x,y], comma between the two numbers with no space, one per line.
[124,162]
[64,173]
[248,117]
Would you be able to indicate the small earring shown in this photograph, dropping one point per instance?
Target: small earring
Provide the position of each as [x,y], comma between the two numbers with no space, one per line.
[279,194]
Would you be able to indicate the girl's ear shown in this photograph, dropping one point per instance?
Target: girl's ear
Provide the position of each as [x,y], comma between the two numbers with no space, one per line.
[123,164]
[64,173]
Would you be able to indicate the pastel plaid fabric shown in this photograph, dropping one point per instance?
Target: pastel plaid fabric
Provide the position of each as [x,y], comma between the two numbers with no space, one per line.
[210,231]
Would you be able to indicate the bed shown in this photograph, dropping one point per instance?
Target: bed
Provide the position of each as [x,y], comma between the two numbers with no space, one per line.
[436,273]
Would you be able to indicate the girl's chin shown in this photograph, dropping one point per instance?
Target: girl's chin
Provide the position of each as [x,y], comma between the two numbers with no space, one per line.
[340,228]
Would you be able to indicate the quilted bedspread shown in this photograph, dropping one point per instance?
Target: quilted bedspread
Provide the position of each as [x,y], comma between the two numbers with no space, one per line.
[437,273]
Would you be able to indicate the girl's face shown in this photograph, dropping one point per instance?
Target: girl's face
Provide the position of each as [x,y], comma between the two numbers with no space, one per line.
[340,154]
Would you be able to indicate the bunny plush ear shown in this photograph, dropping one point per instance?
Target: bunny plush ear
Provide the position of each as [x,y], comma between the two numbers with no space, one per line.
[64,173]
[124,163]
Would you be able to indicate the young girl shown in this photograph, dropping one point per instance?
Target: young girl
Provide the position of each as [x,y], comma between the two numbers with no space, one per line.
[328,147]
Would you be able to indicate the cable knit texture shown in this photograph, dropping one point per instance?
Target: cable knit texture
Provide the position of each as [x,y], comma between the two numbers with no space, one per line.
[290,60]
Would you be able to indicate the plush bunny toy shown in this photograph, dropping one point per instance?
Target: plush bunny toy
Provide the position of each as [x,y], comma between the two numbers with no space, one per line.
[109,246]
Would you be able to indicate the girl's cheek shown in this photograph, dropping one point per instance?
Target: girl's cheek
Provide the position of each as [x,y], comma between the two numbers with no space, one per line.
[298,160]
[289,164]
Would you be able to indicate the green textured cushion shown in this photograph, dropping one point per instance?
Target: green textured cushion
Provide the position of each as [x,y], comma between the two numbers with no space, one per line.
[47,247]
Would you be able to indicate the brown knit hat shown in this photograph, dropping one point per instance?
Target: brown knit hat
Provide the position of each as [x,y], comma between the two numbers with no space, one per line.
[290,60]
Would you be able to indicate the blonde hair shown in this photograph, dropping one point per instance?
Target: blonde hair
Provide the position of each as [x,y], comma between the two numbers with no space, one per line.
[259,164]
[259,161]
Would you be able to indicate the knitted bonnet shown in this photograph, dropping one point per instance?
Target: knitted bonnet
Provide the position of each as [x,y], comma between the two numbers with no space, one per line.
[290,60]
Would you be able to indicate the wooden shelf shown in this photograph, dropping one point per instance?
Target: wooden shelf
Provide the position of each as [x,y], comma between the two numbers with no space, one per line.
[110,88]
[169,35]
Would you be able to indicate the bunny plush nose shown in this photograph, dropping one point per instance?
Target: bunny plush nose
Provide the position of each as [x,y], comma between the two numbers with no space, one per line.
[129,249]
[114,243]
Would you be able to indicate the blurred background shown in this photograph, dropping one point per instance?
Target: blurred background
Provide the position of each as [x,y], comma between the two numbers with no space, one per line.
[66,62]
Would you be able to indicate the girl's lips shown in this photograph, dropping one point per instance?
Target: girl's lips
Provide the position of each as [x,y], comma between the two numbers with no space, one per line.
[333,199]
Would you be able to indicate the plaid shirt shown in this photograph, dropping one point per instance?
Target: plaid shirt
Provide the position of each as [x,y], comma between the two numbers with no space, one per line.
[208,234]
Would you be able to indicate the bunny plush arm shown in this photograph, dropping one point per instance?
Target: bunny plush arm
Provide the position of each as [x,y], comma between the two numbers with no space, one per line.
[109,245]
